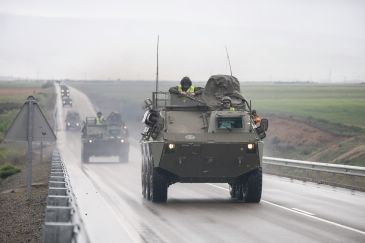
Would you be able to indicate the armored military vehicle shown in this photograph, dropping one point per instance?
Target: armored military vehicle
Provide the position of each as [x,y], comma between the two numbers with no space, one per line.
[191,139]
[107,139]
[65,91]
[73,121]
[66,100]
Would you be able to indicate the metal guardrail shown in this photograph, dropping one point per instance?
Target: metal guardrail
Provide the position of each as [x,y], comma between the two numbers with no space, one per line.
[352,177]
[62,222]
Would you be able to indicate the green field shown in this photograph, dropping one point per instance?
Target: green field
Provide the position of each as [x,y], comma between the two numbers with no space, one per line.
[335,103]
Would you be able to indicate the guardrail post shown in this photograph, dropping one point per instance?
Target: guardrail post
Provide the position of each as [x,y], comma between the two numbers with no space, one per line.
[62,222]
[352,177]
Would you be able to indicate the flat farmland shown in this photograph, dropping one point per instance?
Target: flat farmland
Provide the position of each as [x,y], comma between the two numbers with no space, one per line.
[334,103]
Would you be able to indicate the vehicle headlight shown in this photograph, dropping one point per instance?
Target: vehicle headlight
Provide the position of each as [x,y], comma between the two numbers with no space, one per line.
[125,127]
[250,146]
[68,124]
[171,146]
[122,140]
[77,124]
[90,141]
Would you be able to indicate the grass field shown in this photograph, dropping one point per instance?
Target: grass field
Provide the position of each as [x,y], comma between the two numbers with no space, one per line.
[335,103]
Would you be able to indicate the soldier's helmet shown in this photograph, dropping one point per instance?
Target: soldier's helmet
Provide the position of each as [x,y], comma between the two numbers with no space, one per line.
[226,98]
[186,82]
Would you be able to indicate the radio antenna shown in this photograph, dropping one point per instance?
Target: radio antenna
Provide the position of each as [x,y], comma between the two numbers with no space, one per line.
[158,41]
[229,61]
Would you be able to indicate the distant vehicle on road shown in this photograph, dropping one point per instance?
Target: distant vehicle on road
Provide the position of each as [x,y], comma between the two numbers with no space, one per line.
[191,139]
[65,91]
[73,121]
[106,139]
[66,101]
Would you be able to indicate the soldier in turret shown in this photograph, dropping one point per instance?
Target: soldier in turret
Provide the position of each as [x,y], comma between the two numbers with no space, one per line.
[227,104]
[99,118]
[186,87]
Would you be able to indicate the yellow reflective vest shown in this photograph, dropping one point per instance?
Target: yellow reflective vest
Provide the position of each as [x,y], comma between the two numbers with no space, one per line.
[190,90]
[99,120]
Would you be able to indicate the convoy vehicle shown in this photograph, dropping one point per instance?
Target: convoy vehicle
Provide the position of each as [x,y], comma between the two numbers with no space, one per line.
[66,100]
[73,121]
[191,139]
[65,91]
[106,139]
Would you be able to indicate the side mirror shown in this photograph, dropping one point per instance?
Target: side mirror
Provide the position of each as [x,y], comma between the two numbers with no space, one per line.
[264,124]
[147,103]
[150,117]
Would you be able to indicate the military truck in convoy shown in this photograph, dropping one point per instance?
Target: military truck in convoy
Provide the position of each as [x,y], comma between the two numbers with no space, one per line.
[73,121]
[65,91]
[191,139]
[110,138]
[66,101]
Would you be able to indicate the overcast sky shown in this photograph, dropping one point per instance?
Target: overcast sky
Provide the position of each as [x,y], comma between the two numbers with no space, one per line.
[317,40]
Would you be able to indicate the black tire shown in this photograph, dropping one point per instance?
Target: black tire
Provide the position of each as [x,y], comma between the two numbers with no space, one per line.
[232,191]
[239,191]
[144,180]
[84,156]
[253,188]
[148,182]
[158,186]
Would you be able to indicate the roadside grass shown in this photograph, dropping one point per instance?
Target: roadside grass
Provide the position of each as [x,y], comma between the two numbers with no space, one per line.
[8,170]
[13,98]
[348,112]
[9,153]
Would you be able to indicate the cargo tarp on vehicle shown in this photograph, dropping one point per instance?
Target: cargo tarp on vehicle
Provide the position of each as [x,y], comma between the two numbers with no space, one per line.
[219,86]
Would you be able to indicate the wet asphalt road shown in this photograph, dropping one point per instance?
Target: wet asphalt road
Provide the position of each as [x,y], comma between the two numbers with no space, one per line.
[113,209]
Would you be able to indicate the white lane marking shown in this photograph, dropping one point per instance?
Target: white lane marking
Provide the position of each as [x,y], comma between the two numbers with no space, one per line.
[217,186]
[121,218]
[302,213]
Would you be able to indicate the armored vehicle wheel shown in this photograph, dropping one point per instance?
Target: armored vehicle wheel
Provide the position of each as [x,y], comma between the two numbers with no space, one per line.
[253,188]
[232,191]
[238,191]
[144,181]
[157,186]
[84,156]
